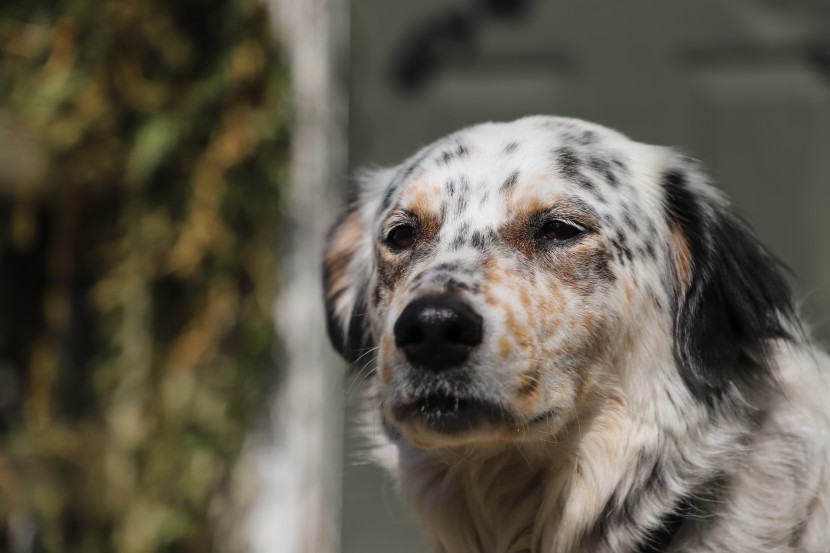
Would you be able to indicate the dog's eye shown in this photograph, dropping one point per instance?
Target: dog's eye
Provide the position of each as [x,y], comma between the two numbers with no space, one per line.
[557,231]
[402,237]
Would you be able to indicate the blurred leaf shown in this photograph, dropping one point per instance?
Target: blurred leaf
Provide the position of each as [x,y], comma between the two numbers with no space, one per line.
[153,144]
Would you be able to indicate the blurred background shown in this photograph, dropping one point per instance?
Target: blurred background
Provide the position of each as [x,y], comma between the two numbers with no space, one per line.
[143,153]
[167,174]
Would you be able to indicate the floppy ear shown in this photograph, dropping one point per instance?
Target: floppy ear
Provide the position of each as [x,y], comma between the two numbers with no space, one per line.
[732,297]
[348,266]
[345,284]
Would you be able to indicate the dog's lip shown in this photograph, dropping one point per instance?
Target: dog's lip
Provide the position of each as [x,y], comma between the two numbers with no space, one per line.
[448,413]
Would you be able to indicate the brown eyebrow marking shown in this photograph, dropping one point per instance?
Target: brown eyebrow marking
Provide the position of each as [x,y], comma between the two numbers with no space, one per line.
[428,221]
[527,210]
[419,194]
[514,231]
[584,267]
[394,265]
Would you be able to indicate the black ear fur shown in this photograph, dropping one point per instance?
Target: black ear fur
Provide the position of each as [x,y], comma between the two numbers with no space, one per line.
[345,289]
[735,299]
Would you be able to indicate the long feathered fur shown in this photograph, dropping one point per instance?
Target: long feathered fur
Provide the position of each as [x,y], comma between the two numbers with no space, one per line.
[652,384]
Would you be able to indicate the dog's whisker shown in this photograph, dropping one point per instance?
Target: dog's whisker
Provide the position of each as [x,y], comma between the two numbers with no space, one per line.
[360,377]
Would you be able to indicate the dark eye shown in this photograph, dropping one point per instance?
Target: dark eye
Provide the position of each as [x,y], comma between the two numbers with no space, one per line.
[557,231]
[402,237]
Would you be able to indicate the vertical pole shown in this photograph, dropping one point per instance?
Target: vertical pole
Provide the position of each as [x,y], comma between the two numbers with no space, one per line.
[299,465]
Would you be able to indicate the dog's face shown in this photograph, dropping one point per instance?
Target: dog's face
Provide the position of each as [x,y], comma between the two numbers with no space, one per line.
[493,282]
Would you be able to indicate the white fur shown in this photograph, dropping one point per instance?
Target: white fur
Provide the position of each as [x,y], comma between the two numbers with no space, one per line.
[750,469]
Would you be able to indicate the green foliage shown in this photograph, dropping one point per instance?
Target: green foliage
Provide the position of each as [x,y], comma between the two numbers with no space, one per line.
[137,266]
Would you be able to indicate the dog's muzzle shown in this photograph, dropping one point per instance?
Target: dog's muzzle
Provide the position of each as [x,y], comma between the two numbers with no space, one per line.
[437,335]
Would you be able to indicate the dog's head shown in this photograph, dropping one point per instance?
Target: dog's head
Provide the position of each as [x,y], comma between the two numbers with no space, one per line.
[505,276]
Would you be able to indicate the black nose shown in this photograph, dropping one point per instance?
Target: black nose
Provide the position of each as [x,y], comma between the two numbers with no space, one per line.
[437,332]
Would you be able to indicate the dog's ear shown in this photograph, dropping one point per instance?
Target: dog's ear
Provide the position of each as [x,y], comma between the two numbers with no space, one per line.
[732,298]
[348,266]
[344,287]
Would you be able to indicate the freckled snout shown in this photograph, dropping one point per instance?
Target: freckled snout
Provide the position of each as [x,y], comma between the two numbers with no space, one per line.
[437,332]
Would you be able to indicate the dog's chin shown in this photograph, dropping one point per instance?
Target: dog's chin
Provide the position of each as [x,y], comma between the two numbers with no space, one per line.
[439,419]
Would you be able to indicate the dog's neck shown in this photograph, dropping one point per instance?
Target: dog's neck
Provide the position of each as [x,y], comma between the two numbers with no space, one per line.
[539,496]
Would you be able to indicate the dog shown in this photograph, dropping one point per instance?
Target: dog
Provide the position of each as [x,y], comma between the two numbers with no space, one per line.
[571,343]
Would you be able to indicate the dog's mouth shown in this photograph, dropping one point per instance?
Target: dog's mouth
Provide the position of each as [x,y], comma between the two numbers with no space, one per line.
[448,413]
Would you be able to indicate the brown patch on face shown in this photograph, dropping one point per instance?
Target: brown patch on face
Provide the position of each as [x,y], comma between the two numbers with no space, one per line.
[585,350]
[524,299]
[530,383]
[420,193]
[492,279]
[342,247]
[496,274]
[682,256]
[520,332]
[394,264]
[392,267]
[585,267]
[423,201]
[550,302]
[582,265]
[429,222]
[492,273]
[504,346]
[515,231]
[593,331]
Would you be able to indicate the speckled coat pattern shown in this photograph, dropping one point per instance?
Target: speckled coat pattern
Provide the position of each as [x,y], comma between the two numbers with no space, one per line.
[638,378]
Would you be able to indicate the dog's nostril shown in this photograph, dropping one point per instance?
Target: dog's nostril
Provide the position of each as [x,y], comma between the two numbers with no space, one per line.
[408,334]
[437,332]
[469,334]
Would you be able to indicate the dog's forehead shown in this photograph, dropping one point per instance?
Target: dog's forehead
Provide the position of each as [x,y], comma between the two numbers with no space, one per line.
[488,170]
